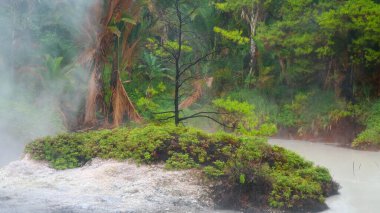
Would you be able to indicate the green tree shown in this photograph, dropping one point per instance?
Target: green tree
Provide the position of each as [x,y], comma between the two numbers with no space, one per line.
[252,12]
[350,39]
[291,33]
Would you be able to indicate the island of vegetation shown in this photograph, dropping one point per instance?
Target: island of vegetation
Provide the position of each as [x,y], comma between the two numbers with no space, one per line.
[131,79]
[246,170]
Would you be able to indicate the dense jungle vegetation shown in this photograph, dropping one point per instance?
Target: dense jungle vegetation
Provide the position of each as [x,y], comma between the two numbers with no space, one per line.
[309,67]
[153,69]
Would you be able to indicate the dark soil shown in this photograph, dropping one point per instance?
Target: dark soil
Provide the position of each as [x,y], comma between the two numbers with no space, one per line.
[238,198]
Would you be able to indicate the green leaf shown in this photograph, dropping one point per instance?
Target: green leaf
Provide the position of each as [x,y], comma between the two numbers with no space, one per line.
[242,178]
[115,30]
[129,20]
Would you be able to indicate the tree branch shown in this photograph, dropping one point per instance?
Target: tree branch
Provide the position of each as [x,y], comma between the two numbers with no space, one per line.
[159,113]
[191,64]
[190,13]
[206,116]
[216,113]
[167,118]
[173,54]
[186,79]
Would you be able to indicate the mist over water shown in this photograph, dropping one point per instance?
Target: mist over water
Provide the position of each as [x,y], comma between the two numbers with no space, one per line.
[39,40]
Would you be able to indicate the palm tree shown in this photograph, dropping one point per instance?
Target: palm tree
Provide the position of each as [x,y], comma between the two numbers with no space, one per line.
[109,28]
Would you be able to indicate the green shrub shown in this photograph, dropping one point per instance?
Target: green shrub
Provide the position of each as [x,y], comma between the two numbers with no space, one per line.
[180,161]
[64,151]
[147,107]
[313,112]
[238,162]
[216,170]
[145,144]
[371,135]
[242,119]
[295,179]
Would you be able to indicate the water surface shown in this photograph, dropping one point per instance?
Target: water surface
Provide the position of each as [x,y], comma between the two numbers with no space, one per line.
[357,172]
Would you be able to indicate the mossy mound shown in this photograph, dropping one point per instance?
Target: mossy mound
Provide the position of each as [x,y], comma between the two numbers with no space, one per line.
[247,168]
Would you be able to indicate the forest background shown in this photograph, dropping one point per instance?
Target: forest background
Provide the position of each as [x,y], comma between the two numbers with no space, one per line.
[309,68]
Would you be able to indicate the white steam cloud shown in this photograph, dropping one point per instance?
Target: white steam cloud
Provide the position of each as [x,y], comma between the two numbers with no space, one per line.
[38,41]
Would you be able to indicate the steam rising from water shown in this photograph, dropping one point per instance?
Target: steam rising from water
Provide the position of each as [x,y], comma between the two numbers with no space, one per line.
[35,83]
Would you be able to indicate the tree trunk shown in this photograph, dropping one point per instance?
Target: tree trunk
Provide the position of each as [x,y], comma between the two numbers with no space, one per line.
[93,94]
[252,18]
[177,67]
[282,62]
[120,101]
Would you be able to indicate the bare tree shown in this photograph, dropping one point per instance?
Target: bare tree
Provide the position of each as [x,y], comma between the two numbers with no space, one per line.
[177,52]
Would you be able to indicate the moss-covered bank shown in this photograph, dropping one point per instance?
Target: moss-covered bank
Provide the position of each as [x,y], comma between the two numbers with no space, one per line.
[244,168]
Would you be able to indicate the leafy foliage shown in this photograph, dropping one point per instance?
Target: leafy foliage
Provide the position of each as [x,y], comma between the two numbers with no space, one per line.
[234,35]
[353,25]
[371,135]
[299,46]
[313,112]
[241,118]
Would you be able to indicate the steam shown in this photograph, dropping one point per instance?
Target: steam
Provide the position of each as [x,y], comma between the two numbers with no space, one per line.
[39,40]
